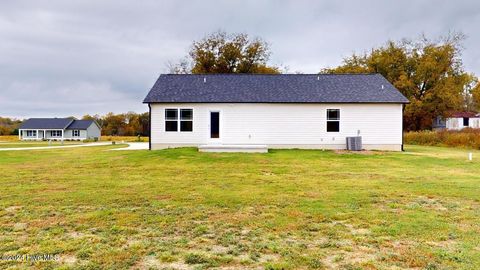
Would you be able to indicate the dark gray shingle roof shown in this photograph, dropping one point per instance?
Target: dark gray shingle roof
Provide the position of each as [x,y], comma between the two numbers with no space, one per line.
[55,123]
[283,88]
[46,123]
[80,124]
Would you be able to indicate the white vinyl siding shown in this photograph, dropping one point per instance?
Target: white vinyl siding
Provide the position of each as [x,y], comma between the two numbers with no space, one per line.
[283,125]
[93,131]
[457,123]
[82,134]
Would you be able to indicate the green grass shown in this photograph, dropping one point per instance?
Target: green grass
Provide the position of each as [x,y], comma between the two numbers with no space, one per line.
[287,209]
[21,144]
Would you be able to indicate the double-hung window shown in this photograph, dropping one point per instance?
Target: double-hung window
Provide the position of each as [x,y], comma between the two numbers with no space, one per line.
[56,133]
[186,120]
[76,133]
[31,133]
[171,119]
[333,120]
[178,119]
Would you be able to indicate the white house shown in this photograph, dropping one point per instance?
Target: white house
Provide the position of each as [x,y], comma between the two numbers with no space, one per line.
[461,120]
[58,129]
[275,111]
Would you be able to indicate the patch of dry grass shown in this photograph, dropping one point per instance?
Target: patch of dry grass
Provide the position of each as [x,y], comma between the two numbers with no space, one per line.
[467,138]
[288,209]
[124,138]
[9,138]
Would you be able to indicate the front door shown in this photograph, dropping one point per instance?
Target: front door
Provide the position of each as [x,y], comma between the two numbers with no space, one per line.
[214,125]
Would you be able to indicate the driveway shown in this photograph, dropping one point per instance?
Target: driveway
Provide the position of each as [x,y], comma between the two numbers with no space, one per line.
[133,146]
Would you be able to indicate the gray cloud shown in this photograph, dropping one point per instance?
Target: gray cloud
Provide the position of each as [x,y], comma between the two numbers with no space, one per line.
[62,58]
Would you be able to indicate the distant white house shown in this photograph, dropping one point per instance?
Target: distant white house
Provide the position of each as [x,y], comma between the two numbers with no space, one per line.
[461,120]
[307,111]
[59,129]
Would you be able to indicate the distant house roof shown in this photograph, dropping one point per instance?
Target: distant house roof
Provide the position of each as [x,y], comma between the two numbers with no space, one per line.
[464,115]
[46,123]
[80,124]
[55,123]
[282,88]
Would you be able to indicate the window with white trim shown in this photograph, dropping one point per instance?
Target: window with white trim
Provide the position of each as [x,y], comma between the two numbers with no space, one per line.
[178,120]
[31,133]
[56,133]
[186,120]
[75,133]
[333,120]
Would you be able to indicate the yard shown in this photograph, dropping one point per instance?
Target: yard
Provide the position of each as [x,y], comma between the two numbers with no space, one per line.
[20,144]
[288,209]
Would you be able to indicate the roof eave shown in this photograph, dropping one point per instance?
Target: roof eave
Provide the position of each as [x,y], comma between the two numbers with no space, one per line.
[282,102]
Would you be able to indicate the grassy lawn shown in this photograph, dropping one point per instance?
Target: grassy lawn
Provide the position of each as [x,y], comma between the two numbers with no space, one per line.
[14,139]
[288,209]
[21,144]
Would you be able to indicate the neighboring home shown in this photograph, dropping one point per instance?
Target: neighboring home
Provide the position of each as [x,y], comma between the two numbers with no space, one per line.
[460,120]
[312,111]
[439,123]
[58,129]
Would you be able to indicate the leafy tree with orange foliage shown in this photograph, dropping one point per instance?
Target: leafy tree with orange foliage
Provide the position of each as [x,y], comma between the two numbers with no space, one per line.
[429,73]
[9,126]
[123,124]
[220,52]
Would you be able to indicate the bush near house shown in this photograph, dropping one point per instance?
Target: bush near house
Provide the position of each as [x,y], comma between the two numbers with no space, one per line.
[467,138]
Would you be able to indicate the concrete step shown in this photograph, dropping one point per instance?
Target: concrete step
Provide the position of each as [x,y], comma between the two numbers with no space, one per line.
[239,148]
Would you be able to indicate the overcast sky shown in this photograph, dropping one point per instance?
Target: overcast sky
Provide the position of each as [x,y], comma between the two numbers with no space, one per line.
[69,58]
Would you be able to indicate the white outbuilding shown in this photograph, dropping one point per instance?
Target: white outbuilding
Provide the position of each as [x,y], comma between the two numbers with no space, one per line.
[235,112]
[461,120]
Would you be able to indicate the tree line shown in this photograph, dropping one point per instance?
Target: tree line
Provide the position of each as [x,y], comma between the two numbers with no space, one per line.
[430,73]
[123,124]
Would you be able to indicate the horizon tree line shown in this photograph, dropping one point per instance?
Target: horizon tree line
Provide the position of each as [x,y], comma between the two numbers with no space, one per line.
[430,73]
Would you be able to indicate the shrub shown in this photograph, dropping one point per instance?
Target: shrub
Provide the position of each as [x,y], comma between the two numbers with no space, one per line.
[468,138]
